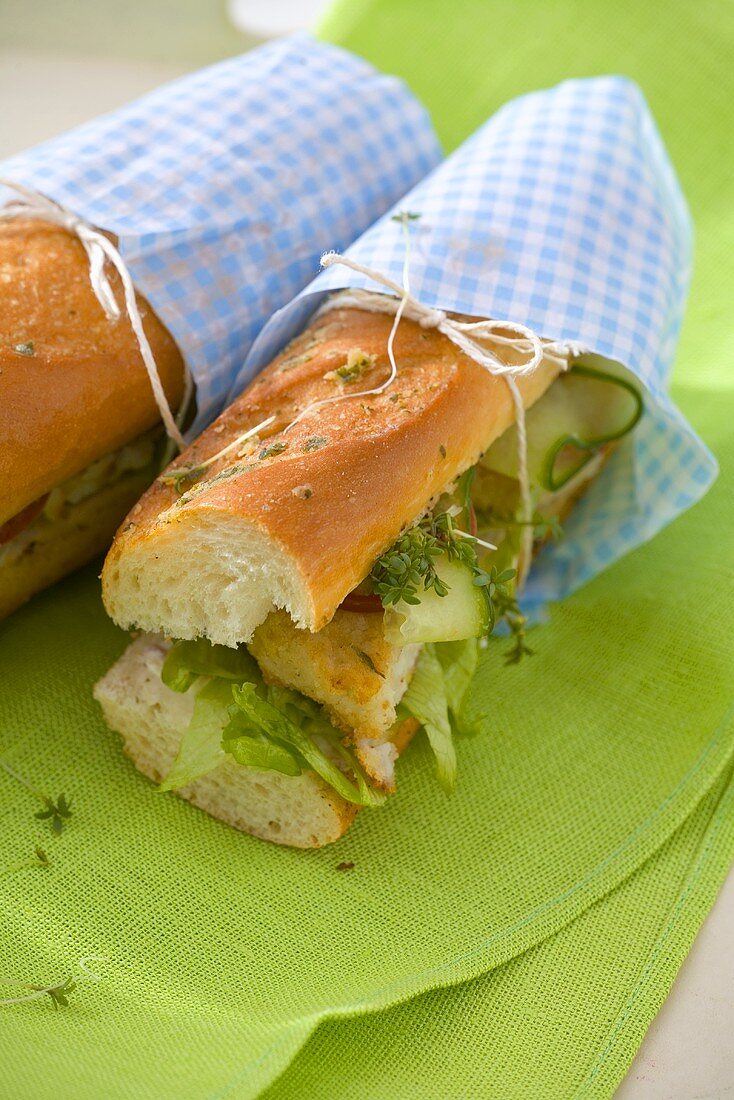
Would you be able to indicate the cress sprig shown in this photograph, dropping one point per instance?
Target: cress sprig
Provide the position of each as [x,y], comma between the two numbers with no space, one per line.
[56,811]
[58,992]
[543,526]
[39,859]
[504,607]
[409,567]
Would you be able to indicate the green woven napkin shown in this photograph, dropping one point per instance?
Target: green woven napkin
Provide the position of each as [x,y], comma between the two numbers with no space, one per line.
[224,953]
[603,753]
[560,1020]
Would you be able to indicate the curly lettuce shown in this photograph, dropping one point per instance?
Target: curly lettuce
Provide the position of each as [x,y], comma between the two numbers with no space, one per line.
[436,696]
[273,729]
[201,750]
[277,729]
[187,661]
[300,731]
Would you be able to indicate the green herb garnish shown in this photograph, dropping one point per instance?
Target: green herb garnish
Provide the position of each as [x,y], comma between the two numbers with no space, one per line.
[181,474]
[57,992]
[314,443]
[367,660]
[543,526]
[228,471]
[503,606]
[55,811]
[273,449]
[357,363]
[28,348]
[409,568]
[178,478]
[39,859]
[409,564]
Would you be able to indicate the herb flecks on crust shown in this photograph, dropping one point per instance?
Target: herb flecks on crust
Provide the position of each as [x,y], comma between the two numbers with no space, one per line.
[179,475]
[276,448]
[358,363]
[315,443]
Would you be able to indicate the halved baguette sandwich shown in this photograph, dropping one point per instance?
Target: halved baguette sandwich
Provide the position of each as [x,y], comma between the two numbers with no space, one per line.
[313,595]
[78,435]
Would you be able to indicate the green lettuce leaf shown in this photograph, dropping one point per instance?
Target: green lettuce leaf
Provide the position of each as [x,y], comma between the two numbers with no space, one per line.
[426,700]
[310,717]
[270,728]
[186,661]
[254,749]
[262,714]
[458,662]
[278,729]
[200,750]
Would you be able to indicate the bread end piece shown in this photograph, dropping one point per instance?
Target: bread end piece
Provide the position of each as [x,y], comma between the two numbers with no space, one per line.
[218,576]
[300,811]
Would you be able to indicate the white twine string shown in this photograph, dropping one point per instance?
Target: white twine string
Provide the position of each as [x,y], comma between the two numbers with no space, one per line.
[183,472]
[100,250]
[466,335]
[398,308]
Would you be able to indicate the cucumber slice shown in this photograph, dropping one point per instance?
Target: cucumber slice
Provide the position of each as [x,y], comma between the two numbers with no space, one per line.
[461,613]
[582,410]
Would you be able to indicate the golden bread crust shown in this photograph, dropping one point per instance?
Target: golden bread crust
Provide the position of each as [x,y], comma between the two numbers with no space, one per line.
[77,388]
[334,506]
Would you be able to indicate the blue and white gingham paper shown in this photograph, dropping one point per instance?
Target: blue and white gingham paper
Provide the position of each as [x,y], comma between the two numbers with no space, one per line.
[225,186]
[564,213]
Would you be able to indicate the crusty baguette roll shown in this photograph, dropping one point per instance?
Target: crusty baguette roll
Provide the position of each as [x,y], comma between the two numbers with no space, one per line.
[299,811]
[297,521]
[73,386]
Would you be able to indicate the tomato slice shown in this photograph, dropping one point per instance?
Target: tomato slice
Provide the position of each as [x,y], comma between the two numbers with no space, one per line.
[21,520]
[364,602]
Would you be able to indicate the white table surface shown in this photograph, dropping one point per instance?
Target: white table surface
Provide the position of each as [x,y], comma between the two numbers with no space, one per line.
[72,61]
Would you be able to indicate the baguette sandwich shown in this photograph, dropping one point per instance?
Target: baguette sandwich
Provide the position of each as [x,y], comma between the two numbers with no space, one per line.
[310,596]
[78,435]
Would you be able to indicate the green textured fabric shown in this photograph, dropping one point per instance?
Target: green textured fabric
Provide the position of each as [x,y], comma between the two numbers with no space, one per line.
[531,1028]
[563,881]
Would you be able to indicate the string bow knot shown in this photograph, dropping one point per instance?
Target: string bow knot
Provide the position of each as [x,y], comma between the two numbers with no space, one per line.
[433,318]
[471,337]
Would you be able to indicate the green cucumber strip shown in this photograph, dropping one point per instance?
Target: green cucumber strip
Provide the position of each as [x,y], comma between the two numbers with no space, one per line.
[583,409]
[462,613]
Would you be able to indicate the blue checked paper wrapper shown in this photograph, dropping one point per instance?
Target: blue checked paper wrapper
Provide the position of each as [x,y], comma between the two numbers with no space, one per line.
[562,212]
[225,187]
